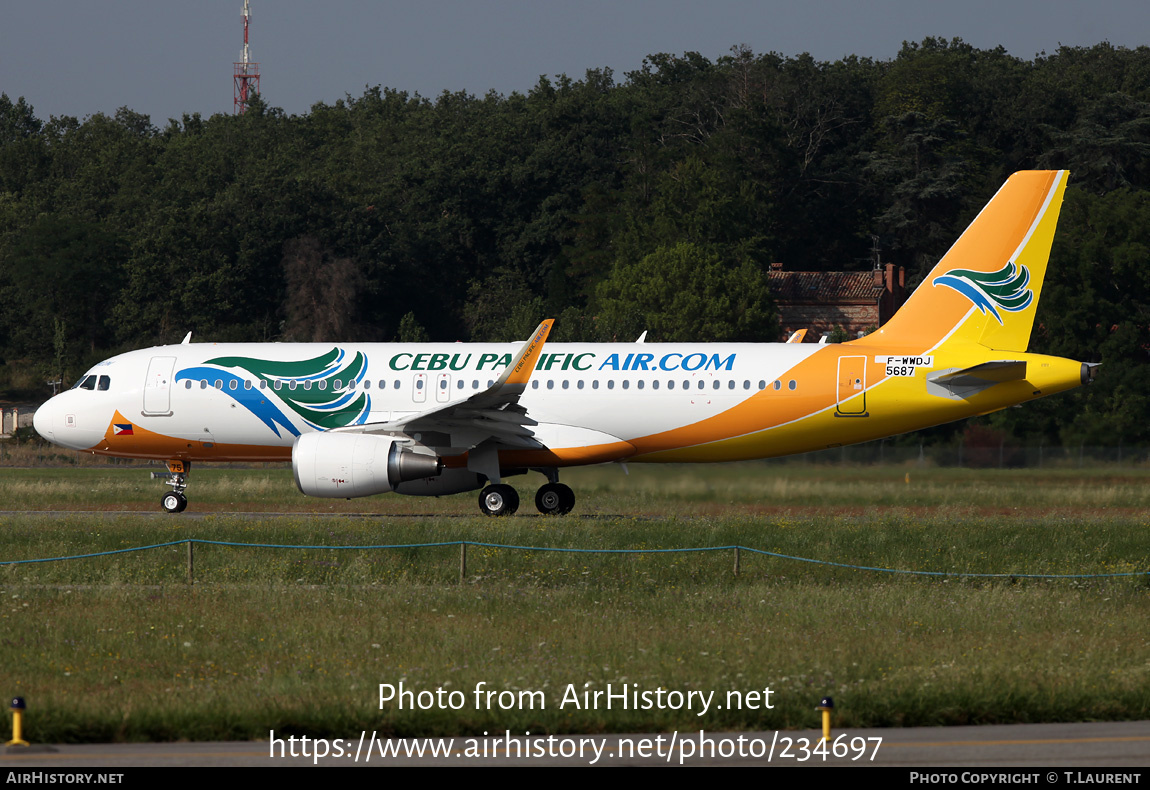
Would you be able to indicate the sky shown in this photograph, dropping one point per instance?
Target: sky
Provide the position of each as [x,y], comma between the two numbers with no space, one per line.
[166,58]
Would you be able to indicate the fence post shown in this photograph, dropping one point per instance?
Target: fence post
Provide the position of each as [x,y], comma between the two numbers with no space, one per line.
[190,564]
[736,560]
[462,560]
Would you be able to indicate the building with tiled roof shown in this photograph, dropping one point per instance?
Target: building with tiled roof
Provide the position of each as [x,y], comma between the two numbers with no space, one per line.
[820,301]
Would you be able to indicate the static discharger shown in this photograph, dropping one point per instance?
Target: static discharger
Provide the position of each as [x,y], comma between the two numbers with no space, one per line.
[826,706]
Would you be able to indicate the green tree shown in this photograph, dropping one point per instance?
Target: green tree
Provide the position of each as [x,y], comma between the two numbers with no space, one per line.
[687,292]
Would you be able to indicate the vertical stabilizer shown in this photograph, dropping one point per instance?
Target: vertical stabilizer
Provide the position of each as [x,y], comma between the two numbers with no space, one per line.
[986,288]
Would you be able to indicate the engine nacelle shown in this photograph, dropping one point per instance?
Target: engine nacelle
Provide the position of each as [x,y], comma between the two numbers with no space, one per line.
[451,481]
[348,465]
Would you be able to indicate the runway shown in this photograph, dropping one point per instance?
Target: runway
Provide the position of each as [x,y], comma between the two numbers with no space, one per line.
[1052,749]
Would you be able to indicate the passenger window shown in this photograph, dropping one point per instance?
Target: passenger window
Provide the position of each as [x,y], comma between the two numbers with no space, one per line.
[263,384]
[105,382]
[565,383]
[579,384]
[475,384]
[610,384]
[322,385]
[419,384]
[626,383]
[307,385]
[778,385]
[791,384]
[188,384]
[338,384]
[639,384]
[716,386]
[535,384]
[219,384]
[247,384]
[746,384]
[655,384]
[232,384]
[291,384]
[279,384]
[702,384]
[595,384]
[762,385]
[203,384]
[550,384]
[670,384]
[460,385]
[731,384]
[350,386]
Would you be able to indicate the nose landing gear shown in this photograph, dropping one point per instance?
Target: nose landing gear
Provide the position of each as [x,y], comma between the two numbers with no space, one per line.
[174,501]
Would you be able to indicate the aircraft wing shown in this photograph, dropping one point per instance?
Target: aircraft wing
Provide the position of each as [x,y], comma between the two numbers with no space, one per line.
[492,416]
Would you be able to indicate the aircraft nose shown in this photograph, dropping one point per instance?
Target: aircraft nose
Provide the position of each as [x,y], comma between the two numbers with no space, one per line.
[42,421]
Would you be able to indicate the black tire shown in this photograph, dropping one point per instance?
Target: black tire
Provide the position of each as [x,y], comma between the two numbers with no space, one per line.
[568,499]
[174,502]
[498,500]
[554,499]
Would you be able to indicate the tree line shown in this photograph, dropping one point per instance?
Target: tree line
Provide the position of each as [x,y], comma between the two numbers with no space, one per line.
[653,202]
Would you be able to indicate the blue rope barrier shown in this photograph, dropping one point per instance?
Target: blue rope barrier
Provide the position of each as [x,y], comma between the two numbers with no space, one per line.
[763,552]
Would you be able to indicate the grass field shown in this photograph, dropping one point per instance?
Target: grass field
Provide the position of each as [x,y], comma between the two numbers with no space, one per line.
[121,647]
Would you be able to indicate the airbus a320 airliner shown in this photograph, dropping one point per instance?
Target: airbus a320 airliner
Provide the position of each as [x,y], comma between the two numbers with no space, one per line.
[430,419]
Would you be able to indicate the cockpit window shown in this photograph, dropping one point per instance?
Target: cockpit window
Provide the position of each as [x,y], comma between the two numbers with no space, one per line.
[105,383]
[89,383]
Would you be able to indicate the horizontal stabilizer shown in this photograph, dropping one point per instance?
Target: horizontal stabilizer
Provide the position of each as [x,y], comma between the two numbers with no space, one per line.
[964,382]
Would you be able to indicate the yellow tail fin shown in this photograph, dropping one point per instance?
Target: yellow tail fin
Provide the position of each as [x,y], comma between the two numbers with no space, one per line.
[986,288]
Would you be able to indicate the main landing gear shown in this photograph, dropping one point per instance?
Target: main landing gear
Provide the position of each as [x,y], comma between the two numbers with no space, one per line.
[555,499]
[498,500]
[174,501]
[552,499]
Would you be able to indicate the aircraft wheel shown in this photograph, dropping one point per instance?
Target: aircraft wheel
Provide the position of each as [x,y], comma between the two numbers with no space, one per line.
[498,500]
[174,502]
[555,499]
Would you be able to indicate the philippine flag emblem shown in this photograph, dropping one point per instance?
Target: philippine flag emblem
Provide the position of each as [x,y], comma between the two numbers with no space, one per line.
[122,429]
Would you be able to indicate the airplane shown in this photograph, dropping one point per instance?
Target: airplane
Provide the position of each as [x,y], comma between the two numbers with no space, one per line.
[432,419]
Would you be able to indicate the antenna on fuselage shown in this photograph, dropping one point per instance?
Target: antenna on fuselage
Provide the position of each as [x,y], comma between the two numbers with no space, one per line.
[187,339]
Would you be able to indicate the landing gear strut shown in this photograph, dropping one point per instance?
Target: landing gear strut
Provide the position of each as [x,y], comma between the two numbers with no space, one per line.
[174,501]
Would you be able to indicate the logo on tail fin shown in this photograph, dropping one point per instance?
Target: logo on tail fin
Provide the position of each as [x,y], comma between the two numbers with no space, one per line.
[1005,288]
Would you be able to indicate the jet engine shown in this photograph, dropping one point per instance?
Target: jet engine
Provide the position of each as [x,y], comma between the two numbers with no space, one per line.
[452,481]
[346,465]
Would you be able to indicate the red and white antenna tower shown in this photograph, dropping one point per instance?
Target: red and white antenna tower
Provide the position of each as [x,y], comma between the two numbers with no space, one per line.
[246,76]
